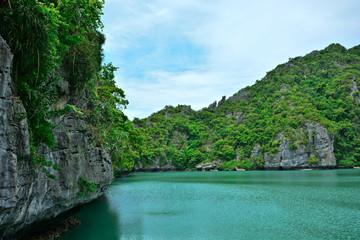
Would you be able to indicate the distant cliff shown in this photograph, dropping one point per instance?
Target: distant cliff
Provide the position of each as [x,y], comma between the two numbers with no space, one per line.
[28,197]
[304,113]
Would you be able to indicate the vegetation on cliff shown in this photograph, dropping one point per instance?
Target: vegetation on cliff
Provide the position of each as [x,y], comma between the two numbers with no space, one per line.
[56,43]
[320,87]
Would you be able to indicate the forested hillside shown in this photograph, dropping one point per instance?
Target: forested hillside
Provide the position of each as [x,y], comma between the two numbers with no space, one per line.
[308,99]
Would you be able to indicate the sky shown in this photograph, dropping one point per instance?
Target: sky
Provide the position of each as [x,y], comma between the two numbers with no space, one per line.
[193,52]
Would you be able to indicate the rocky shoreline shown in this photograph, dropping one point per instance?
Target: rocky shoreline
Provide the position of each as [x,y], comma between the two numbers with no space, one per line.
[211,169]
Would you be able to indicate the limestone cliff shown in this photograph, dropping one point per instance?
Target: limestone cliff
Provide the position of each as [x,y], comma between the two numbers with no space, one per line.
[156,166]
[28,197]
[314,140]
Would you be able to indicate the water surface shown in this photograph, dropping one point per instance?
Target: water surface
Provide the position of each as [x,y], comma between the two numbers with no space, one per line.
[322,204]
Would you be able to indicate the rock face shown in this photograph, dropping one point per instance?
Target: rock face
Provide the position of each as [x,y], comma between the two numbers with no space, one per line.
[27,196]
[319,144]
[354,89]
[213,105]
[221,102]
[216,104]
[242,94]
[208,166]
[157,166]
[237,115]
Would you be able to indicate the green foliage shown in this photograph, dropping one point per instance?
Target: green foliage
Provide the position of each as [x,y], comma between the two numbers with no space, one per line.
[357,94]
[53,41]
[111,128]
[39,161]
[86,187]
[258,162]
[80,37]
[229,165]
[293,147]
[348,163]
[311,89]
[248,164]
[30,29]
[313,160]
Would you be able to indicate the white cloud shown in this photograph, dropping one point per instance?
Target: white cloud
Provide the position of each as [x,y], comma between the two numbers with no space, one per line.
[222,46]
[195,88]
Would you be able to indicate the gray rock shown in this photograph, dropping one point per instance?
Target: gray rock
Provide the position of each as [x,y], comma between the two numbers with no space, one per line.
[167,114]
[353,90]
[340,65]
[5,66]
[213,105]
[221,102]
[320,144]
[284,89]
[314,53]
[186,110]
[239,169]
[216,104]
[237,115]
[208,166]
[256,151]
[157,166]
[27,196]
[242,94]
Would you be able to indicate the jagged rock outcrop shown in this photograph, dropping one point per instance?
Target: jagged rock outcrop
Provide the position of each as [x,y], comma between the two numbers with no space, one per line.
[28,198]
[213,105]
[157,166]
[319,144]
[242,94]
[354,90]
[216,104]
[221,102]
[208,166]
[186,110]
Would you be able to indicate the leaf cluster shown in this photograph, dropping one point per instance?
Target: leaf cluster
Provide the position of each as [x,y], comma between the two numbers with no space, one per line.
[86,187]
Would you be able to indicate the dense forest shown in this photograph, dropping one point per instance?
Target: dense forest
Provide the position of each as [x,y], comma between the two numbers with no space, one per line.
[320,87]
[60,42]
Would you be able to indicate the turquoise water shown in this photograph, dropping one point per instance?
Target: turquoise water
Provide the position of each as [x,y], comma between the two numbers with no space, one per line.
[322,204]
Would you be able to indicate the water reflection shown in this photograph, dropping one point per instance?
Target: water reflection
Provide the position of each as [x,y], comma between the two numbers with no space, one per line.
[99,221]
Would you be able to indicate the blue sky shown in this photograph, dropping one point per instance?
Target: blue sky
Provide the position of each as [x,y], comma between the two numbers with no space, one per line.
[193,52]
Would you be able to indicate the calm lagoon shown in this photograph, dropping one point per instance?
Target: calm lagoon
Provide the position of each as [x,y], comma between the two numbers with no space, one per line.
[317,204]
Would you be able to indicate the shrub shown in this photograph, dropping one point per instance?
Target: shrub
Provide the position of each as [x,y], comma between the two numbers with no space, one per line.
[313,160]
[247,164]
[86,187]
[293,147]
[258,162]
[347,163]
[228,166]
